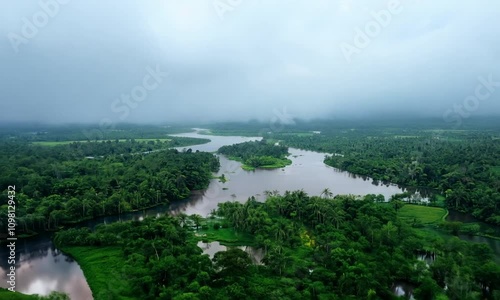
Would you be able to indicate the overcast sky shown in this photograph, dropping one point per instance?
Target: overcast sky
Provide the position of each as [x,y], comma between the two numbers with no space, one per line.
[72,60]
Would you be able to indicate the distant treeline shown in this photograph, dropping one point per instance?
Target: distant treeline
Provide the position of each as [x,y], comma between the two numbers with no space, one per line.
[462,166]
[82,132]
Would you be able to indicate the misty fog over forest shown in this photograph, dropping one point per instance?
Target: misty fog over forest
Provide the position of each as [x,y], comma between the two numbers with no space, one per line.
[218,60]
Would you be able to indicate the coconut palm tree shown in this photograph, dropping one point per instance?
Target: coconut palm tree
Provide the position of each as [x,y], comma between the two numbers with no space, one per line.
[182,217]
[338,216]
[196,220]
[327,193]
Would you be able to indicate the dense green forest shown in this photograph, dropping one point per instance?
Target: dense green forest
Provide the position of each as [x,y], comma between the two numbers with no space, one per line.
[462,166]
[90,132]
[257,154]
[76,181]
[315,248]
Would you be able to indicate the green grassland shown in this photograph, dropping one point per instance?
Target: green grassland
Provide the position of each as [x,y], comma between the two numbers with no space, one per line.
[53,143]
[103,265]
[225,236]
[103,269]
[425,214]
[57,143]
[299,134]
[278,163]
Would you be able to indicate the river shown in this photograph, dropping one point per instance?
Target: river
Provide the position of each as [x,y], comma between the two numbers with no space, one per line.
[42,268]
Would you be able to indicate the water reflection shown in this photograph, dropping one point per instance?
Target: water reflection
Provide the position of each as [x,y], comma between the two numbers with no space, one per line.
[401,288]
[426,257]
[487,228]
[307,172]
[41,269]
[215,141]
[210,248]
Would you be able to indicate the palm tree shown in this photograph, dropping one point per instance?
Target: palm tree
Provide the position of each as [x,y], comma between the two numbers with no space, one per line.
[327,193]
[272,193]
[196,220]
[182,217]
[236,215]
[337,215]
[316,208]
[280,204]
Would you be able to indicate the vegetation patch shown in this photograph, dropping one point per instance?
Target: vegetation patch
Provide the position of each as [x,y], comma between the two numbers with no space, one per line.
[218,230]
[260,154]
[222,178]
[103,268]
[306,240]
[8,295]
[424,214]
[57,143]
[65,188]
[496,170]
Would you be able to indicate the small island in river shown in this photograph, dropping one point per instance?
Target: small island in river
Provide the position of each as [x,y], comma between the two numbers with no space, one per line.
[258,154]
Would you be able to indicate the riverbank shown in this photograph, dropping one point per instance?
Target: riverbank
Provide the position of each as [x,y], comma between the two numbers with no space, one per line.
[103,267]
[307,171]
[257,154]
[276,163]
[426,215]
[290,252]
[6,294]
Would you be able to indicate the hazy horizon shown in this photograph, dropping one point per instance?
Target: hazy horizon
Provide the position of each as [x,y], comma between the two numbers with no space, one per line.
[218,60]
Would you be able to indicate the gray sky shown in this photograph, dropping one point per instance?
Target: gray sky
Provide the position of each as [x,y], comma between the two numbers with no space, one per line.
[239,59]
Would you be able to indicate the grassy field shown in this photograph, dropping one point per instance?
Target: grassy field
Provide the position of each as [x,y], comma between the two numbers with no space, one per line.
[300,134]
[424,214]
[54,143]
[103,269]
[279,163]
[225,236]
[51,144]
[103,266]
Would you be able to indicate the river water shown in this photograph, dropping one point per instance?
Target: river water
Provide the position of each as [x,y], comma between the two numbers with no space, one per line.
[210,248]
[42,268]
